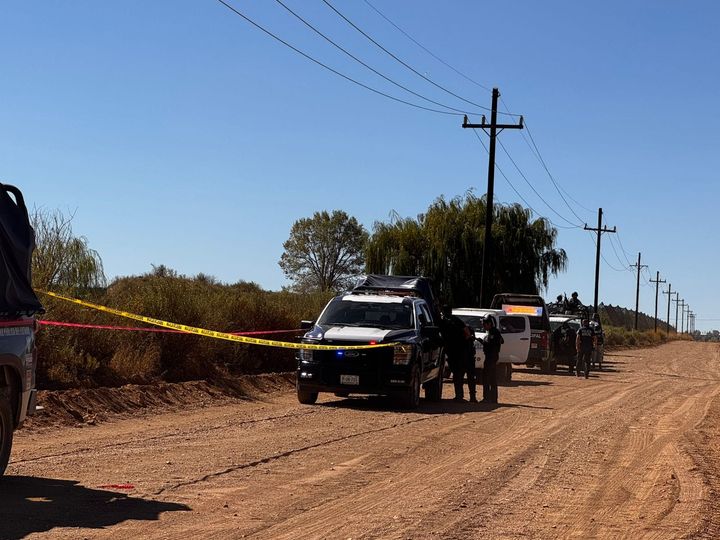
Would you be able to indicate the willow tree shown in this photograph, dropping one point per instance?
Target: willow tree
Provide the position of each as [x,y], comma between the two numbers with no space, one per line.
[61,259]
[446,243]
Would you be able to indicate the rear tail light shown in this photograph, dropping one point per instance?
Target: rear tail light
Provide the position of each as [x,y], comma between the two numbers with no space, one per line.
[544,340]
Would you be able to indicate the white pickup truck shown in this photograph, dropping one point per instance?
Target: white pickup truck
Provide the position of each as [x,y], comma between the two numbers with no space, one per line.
[515,330]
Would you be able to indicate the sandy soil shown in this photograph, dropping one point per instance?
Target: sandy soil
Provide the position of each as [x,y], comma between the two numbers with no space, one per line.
[632,452]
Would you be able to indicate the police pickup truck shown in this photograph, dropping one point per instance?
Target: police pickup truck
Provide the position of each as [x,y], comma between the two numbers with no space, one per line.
[18,307]
[515,330]
[380,309]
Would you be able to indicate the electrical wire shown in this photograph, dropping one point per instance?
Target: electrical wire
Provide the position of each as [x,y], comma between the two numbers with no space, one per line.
[592,237]
[336,72]
[625,253]
[612,245]
[361,62]
[416,42]
[512,186]
[408,66]
[574,225]
[552,178]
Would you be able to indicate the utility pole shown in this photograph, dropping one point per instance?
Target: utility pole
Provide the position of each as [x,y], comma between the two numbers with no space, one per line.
[657,281]
[669,293]
[682,315]
[493,126]
[686,318]
[600,229]
[637,289]
[677,305]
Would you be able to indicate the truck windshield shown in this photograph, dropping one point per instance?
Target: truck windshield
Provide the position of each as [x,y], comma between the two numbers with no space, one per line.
[372,314]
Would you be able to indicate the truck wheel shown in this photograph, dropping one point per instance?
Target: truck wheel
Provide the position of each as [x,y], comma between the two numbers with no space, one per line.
[410,398]
[434,388]
[305,397]
[6,429]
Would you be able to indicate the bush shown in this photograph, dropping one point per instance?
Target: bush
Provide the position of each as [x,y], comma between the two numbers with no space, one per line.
[89,357]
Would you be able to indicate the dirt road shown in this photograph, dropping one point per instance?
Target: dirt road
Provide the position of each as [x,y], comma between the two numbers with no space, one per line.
[631,452]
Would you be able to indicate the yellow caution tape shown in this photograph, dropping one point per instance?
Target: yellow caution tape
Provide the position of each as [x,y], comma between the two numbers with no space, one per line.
[212,333]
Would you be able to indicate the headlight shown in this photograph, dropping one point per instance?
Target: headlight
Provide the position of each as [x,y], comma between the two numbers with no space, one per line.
[306,355]
[402,354]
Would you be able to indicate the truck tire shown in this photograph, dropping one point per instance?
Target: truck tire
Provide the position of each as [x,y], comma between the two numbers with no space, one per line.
[434,389]
[306,397]
[410,397]
[6,429]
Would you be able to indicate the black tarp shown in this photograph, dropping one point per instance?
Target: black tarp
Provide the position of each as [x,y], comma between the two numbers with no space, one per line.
[420,286]
[17,242]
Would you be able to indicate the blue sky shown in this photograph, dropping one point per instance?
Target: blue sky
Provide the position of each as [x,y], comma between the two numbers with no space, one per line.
[181,135]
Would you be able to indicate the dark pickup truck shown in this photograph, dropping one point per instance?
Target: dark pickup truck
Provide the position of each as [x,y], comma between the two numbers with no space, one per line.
[18,307]
[382,309]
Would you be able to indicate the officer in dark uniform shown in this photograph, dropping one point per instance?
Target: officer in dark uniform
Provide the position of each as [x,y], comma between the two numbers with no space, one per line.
[491,347]
[564,338]
[574,304]
[457,340]
[596,325]
[585,345]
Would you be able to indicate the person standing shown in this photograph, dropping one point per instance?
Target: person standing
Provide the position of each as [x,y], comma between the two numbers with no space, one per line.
[457,339]
[585,345]
[491,347]
[596,325]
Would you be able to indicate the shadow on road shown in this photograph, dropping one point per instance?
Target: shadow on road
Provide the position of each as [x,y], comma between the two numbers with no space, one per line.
[33,505]
[446,406]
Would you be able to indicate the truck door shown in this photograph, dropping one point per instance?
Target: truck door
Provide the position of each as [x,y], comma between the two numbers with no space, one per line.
[430,355]
[516,333]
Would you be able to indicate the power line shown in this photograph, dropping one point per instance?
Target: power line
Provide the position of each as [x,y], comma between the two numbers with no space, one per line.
[622,247]
[533,188]
[416,42]
[512,186]
[552,178]
[612,245]
[408,66]
[336,72]
[348,53]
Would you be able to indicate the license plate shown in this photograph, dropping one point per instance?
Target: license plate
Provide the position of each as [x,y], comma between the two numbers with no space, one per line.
[533,345]
[350,379]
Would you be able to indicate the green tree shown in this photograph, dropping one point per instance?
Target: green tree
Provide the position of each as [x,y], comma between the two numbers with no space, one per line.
[446,243]
[62,260]
[323,252]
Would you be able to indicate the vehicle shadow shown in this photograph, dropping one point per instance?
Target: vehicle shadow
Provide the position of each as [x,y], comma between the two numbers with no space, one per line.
[34,505]
[445,406]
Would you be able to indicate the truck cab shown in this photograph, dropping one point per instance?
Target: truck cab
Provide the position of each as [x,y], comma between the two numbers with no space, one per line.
[376,315]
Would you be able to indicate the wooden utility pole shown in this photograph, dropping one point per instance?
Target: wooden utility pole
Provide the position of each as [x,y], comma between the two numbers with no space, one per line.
[493,126]
[599,230]
[669,293]
[657,281]
[637,288]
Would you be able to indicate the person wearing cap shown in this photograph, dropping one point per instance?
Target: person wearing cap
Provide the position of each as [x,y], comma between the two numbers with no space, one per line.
[491,347]
[585,344]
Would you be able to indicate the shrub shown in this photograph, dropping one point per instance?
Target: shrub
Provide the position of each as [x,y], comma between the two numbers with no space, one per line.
[71,356]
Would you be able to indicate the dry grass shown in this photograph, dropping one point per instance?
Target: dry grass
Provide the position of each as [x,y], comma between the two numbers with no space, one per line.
[71,357]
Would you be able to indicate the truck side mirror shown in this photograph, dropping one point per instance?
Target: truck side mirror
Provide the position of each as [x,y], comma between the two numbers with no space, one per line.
[306,325]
